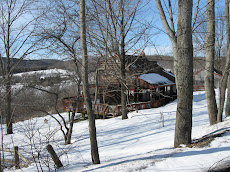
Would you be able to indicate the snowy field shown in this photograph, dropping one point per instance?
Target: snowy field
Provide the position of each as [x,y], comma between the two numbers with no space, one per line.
[140,143]
[46,73]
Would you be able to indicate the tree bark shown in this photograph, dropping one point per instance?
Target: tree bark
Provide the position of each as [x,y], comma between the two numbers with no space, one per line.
[69,133]
[77,100]
[8,80]
[122,59]
[227,109]
[184,74]
[222,89]
[91,116]
[209,65]
[17,41]
[223,81]
[8,109]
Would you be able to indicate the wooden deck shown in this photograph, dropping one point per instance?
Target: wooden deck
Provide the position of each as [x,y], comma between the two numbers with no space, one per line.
[198,88]
[105,110]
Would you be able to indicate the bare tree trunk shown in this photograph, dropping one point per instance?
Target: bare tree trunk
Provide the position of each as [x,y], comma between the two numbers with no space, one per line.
[8,99]
[223,81]
[91,116]
[222,89]
[69,133]
[227,109]
[184,74]
[209,65]
[8,80]
[169,30]
[17,41]
[122,58]
[77,100]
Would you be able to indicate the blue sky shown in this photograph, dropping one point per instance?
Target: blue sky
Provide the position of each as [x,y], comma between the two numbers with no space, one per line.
[162,44]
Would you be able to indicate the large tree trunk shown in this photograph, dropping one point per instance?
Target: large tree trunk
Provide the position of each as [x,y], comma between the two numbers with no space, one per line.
[184,74]
[91,116]
[123,90]
[209,65]
[222,88]
[223,81]
[227,109]
[122,59]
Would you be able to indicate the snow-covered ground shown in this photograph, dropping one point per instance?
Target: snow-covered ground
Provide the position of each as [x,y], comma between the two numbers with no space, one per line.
[140,143]
[46,73]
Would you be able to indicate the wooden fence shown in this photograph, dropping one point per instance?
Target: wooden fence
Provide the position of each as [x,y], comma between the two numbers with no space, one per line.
[17,155]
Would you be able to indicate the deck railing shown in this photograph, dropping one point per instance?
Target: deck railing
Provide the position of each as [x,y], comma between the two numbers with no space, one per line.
[102,110]
[198,88]
[115,110]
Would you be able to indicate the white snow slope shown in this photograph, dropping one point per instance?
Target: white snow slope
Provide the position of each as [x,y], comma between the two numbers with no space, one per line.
[140,143]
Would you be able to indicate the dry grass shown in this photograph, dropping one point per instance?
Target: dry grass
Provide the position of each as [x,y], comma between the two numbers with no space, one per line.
[206,140]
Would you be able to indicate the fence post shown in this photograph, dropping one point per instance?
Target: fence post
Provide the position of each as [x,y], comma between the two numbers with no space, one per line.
[16,157]
[54,156]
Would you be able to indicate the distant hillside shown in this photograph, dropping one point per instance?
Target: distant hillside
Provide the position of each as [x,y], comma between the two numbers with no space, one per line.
[31,65]
[165,61]
[43,64]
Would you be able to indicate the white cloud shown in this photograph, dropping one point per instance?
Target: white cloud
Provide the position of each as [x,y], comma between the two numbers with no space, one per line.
[159,50]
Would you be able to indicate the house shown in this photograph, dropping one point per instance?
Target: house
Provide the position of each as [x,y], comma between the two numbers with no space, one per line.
[148,85]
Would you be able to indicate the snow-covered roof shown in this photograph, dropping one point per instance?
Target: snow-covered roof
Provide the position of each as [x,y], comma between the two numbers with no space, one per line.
[154,78]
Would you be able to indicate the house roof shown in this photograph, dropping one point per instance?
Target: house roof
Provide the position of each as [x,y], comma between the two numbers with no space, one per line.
[149,72]
[155,79]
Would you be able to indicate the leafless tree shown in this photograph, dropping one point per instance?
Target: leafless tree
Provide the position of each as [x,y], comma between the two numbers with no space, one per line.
[210,57]
[184,74]
[183,66]
[91,116]
[65,128]
[17,40]
[216,48]
[225,73]
[227,109]
[169,28]
[119,30]
[200,31]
